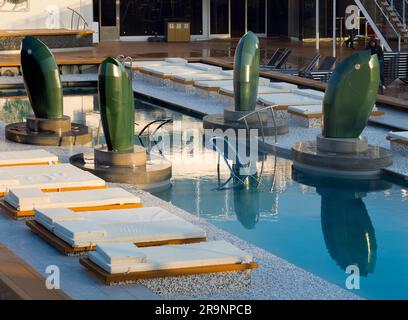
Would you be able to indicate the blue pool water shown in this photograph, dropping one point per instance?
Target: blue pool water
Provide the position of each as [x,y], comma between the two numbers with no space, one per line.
[321,226]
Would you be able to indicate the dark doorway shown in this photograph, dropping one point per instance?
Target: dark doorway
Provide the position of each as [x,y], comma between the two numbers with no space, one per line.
[237,18]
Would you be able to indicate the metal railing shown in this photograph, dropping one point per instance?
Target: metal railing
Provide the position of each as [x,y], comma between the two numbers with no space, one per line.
[401,9]
[80,20]
[380,23]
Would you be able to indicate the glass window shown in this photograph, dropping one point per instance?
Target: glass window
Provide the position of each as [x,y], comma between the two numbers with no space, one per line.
[219,16]
[256,16]
[149,17]
[96,10]
[108,13]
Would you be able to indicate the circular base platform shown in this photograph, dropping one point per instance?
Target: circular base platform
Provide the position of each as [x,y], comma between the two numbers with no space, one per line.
[154,176]
[78,135]
[217,121]
[135,158]
[362,165]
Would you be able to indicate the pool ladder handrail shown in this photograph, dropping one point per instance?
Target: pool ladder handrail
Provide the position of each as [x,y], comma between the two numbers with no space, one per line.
[126,61]
[147,127]
[80,19]
[257,112]
[230,169]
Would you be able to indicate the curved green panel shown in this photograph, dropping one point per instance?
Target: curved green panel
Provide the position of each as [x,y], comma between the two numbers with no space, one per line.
[116,105]
[41,79]
[350,95]
[246,72]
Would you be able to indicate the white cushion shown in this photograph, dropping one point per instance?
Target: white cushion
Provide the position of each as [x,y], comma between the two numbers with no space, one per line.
[133,225]
[310,93]
[287,99]
[27,156]
[118,253]
[402,135]
[305,110]
[42,177]
[202,254]
[261,90]
[176,60]
[214,84]
[205,67]
[28,199]
[202,77]
[283,85]
[80,229]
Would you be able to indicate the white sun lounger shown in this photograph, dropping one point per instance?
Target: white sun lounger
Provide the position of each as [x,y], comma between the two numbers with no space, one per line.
[288,99]
[27,157]
[216,85]
[191,78]
[22,202]
[63,177]
[77,232]
[283,85]
[229,90]
[399,142]
[122,262]
[169,72]
[310,116]
[310,93]
[138,65]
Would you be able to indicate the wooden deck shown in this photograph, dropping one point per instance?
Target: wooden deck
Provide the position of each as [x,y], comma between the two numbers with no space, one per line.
[19,281]
[220,52]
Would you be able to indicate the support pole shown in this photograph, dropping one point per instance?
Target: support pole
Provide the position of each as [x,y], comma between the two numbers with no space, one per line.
[317,25]
[334,28]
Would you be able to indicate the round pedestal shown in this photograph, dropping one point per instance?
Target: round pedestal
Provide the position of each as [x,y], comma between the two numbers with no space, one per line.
[152,175]
[218,121]
[340,158]
[49,132]
[234,116]
[49,125]
[135,158]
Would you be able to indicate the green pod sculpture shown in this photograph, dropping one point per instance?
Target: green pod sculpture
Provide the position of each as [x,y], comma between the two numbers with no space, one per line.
[116,105]
[246,72]
[42,80]
[350,95]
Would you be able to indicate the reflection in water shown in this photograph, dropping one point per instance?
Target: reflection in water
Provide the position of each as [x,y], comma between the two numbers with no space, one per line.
[246,201]
[347,229]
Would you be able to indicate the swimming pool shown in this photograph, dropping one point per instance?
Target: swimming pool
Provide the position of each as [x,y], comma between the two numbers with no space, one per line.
[322,226]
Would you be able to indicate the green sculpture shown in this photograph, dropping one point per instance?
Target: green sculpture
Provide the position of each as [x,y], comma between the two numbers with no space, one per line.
[246,72]
[41,79]
[116,105]
[350,95]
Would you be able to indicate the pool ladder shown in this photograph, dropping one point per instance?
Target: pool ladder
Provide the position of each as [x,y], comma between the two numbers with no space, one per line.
[126,61]
[230,169]
[161,123]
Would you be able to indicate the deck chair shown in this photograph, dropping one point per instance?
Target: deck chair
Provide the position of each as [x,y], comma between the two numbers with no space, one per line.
[279,61]
[275,57]
[125,263]
[325,70]
[305,70]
